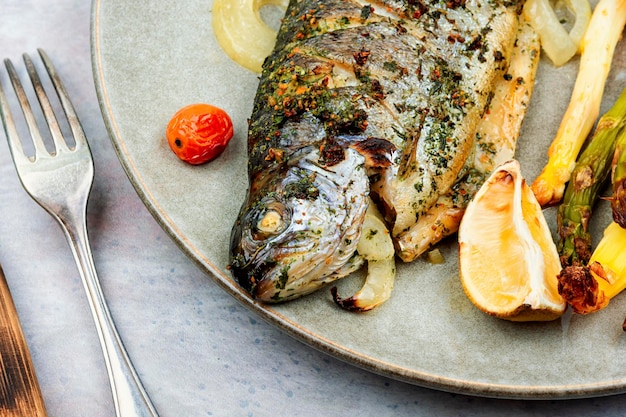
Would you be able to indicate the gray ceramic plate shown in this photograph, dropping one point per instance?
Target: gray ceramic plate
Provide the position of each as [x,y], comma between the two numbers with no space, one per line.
[152,58]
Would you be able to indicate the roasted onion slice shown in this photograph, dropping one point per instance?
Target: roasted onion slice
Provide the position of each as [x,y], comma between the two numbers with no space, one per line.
[376,247]
[559,44]
[241,31]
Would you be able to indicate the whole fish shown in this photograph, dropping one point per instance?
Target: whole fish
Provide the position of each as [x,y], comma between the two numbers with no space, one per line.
[360,102]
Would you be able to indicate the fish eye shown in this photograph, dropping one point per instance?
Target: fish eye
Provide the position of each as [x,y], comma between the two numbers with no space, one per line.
[269,220]
[270,223]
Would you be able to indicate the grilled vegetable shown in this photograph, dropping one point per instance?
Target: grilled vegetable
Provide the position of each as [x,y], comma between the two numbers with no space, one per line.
[376,247]
[589,175]
[241,31]
[559,44]
[198,133]
[589,288]
[618,199]
[604,30]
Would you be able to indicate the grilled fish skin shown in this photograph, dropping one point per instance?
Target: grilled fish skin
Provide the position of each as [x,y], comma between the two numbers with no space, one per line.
[360,98]
[495,143]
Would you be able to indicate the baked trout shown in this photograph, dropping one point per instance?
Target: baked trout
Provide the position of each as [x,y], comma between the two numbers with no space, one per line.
[360,101]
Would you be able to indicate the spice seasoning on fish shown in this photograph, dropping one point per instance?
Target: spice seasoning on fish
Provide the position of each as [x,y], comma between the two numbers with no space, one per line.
[366,11]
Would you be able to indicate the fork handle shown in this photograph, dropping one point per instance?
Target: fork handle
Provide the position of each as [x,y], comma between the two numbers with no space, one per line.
[129,396]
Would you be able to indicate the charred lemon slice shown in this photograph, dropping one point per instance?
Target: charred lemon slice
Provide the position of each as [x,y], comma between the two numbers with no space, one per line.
[508,260]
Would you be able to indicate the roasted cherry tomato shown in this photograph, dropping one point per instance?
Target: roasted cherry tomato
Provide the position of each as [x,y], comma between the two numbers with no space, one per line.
[199,132]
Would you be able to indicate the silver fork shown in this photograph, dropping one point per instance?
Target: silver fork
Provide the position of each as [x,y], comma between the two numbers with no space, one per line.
[60,181]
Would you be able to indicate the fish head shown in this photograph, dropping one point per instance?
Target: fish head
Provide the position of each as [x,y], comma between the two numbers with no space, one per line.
[301,224]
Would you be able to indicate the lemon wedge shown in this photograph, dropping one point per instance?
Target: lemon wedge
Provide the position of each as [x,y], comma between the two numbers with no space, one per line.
[508,260]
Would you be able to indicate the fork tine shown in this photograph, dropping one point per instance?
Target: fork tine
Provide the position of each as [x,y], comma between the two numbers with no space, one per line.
[46,107]
[70,113]
[15,144]
[40,148]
